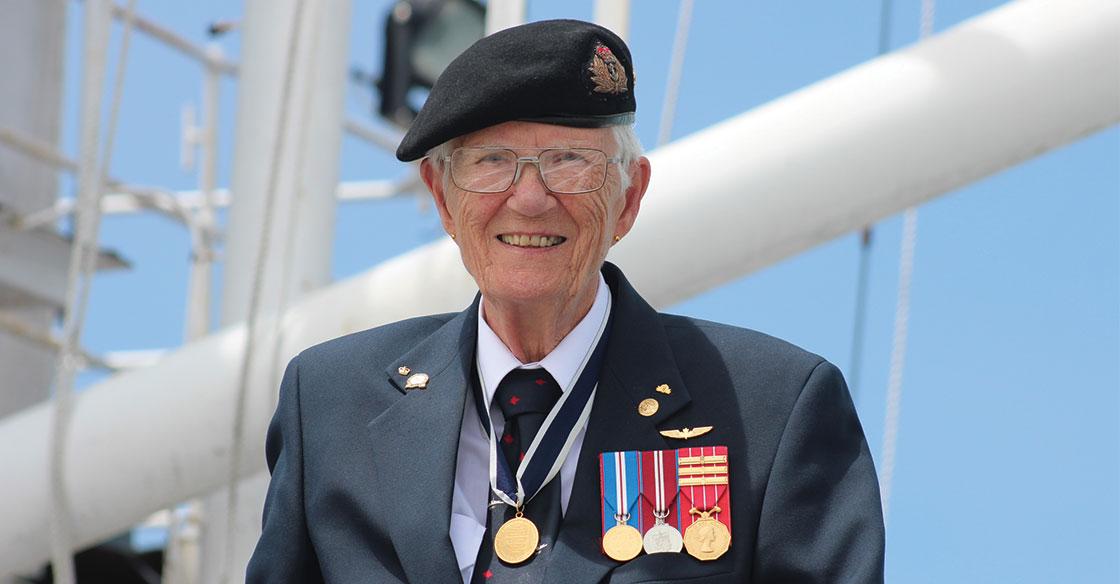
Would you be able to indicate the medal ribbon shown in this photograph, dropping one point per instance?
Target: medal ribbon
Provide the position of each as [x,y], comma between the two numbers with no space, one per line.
[703,475]
[546,455]
[659,485]
[620,488]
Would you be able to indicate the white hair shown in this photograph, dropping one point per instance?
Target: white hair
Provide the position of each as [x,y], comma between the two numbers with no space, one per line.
[629,151]
[625,138]
[438,156]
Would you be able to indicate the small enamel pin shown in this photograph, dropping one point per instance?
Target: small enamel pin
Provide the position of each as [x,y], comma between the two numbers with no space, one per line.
[416,381]
[686,433]
[663,388]
[403,370]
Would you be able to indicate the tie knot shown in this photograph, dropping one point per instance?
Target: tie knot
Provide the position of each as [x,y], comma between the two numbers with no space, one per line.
[524,391]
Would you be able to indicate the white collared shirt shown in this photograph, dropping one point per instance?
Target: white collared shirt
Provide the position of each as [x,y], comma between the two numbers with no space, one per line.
[472,468]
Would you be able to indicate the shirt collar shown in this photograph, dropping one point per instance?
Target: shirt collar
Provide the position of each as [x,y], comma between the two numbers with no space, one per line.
[495,359]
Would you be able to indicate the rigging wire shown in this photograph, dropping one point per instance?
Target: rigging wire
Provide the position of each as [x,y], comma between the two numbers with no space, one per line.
[901,323]
[860,317]
[676,69]
[252,322]
[83,261]
[866,237]
[277,329]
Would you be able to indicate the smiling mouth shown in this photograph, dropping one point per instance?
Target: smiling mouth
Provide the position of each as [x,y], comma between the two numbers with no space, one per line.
[518,240]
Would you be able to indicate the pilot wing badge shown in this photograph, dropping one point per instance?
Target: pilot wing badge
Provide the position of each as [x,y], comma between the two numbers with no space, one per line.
[686,433]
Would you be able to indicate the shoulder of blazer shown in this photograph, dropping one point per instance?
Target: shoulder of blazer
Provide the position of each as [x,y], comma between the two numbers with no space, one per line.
[735,343]
[359,359]
[386,340]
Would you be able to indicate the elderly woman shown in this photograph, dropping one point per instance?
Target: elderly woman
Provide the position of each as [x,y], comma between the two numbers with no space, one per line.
[558,429]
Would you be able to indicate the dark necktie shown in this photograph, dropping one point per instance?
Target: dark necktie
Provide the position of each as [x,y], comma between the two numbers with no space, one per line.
[525,396]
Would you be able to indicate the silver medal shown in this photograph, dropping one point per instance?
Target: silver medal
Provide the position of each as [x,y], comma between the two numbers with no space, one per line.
[662,538]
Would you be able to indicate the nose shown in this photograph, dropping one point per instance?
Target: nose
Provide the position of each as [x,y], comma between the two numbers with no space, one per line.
[529,196]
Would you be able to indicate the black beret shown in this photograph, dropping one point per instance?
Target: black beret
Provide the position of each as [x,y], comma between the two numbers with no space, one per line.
[565,72]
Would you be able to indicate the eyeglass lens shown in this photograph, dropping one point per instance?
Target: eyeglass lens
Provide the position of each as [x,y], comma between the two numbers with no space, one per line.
[563,170]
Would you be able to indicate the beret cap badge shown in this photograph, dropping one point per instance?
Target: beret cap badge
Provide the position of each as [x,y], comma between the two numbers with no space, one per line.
[608,74]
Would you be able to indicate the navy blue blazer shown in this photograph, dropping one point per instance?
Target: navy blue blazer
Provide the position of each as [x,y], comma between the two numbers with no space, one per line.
[363,470]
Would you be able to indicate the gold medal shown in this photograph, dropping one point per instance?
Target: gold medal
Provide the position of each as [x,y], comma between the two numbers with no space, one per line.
[622,542]
[516,540]
[706,539]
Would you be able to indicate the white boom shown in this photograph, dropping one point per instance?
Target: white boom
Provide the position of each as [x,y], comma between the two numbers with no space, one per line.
[994,91]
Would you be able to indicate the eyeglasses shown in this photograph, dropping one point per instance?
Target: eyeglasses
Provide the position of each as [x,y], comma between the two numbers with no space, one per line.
[568,171]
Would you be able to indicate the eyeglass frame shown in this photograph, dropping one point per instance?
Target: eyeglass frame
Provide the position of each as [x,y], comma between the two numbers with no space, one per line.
[534,160]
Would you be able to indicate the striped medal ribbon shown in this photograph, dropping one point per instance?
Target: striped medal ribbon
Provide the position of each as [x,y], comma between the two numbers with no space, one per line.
[622,541]
[659,479]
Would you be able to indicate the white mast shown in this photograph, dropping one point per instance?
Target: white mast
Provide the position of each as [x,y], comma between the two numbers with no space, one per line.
[31,50]
[281,225]
[502,14]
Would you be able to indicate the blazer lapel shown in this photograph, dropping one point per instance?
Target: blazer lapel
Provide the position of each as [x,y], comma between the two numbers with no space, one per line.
[415,450]
[639,359]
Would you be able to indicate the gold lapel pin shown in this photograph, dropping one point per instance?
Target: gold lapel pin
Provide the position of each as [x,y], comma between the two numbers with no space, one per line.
[403,370]
[663,388]
[686,433]
[648,407]
[416,381]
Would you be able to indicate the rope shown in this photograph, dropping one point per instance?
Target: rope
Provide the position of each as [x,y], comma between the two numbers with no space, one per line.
[255,298]
[676,68]
[80,278]
[901,325]
[929,7]
[898,356]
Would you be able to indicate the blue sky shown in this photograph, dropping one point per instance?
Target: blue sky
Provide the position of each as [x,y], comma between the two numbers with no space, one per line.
[1008,451]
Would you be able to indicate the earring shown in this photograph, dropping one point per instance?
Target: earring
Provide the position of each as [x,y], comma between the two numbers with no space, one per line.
[452,236]
[617,238]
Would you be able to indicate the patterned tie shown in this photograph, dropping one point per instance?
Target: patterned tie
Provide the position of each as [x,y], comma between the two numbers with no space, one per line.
[525,397]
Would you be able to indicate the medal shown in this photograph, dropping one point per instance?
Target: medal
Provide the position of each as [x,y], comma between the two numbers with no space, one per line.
[659,490]
[703,480]
[622,542]
[706,539]
[516,540]
[662,538]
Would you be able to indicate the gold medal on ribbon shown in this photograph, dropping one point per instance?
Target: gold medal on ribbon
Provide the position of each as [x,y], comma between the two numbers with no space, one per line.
[706,539]
[622,542]
[516,540]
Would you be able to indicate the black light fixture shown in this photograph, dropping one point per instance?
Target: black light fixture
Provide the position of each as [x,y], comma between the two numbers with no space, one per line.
[421,38]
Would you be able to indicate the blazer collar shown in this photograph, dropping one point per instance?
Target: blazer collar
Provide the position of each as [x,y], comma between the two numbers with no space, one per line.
[416,446]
